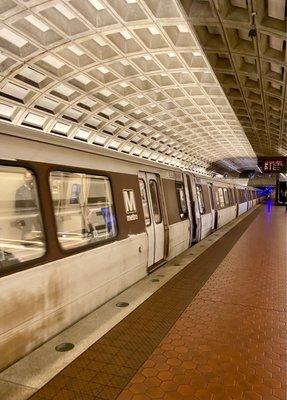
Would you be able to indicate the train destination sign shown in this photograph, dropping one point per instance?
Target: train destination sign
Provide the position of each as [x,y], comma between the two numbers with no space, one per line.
[273,165]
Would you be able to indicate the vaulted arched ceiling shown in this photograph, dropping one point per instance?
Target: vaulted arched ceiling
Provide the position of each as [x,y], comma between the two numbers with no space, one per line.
[128,75]
[245,42]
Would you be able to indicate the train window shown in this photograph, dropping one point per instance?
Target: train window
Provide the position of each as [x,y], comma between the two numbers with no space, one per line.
[226,197]
[231,196]
[221,198]
[233,193]
[211,197]
[21,231]
[83,207]
[155,201]
[240,195]
[144,202]
[181,199]
[243,196]
[200,199]
[217,198]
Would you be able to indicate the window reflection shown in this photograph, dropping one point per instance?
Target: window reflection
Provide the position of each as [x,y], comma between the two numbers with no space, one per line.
[200,199]
[83,207]
[144,202]
[155,201]
[221,198]
[21,232]
[181,199]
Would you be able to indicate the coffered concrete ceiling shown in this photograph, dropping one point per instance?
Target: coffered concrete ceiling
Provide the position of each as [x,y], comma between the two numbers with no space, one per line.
[245,43]
[131,76]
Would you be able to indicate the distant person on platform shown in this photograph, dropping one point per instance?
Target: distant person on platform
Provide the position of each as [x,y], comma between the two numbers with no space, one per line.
[26,206]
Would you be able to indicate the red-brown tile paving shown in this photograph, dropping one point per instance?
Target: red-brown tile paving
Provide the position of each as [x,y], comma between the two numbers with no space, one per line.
[224,340]
[230,343]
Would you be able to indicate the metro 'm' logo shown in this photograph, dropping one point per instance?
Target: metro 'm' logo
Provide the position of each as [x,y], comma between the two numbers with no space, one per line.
[130,201]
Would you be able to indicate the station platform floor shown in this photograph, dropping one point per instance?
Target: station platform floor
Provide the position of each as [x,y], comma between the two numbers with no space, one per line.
[216,330]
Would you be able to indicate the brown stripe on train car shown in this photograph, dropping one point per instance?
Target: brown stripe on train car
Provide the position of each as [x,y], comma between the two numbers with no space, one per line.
[119,181]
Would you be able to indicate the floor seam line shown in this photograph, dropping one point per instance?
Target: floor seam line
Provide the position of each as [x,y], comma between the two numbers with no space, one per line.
[242,305]
[18,384]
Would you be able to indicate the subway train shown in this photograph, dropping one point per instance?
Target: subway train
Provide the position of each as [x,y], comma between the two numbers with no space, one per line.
[80,224]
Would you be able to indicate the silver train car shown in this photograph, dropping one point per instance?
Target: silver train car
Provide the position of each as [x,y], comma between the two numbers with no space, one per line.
[80,225]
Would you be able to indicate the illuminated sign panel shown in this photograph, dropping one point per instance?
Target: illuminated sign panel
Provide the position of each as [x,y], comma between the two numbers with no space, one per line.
[275,165]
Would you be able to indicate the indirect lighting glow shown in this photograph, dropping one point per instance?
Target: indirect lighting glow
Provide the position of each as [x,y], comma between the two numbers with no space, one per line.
[65,11]
[37,23]
[99,40]
[103,70]
[183,28]
[62,128]
[123,103]
[76,50]
[82,134]
[35,119]
[126,35]
[106,92]
[63,89]
[127,148]
[137,151]
[97,4]
[114,144]
[153,30]
[124,85]
[11,37]
[83,79]
[100,139]
[6,111]
[53,61]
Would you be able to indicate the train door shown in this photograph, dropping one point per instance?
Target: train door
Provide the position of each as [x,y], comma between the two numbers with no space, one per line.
[150,194]
[248,196]
[213,212]
[194,217]
[236,199]
[190,207]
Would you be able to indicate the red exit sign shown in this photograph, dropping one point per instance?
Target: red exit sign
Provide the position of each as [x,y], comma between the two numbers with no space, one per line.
[273,165]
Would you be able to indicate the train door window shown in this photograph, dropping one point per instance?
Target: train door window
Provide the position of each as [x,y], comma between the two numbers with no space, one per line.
[239,195]
[200,199]
[83,207]
[181,199]
[144,202]
[231,198]
[21,230]
[226,197]
[244,196]
[211,197]
[217,198]
[221,198]
[155,201]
